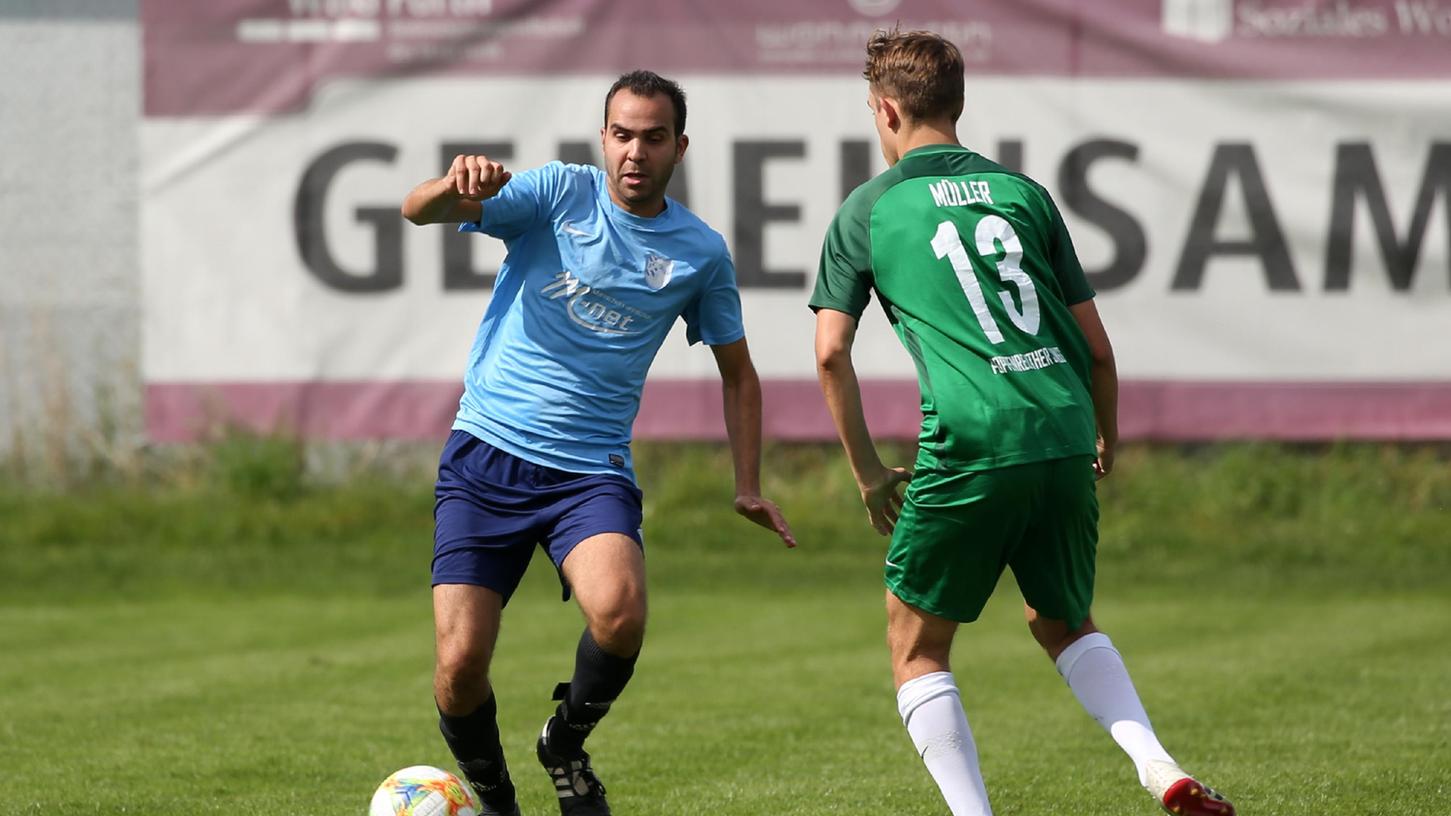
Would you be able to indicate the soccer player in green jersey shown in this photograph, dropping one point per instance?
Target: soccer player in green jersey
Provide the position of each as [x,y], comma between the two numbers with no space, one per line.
[978,277]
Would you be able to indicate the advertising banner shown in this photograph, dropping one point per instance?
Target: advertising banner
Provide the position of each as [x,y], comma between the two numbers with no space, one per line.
[1260,191]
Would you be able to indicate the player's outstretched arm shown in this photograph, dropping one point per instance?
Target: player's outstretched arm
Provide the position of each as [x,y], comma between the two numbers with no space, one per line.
[1104,379]
[880,485]
[741,392]
[456,196]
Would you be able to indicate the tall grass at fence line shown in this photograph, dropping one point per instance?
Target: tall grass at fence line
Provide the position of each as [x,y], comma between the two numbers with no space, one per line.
[62,433]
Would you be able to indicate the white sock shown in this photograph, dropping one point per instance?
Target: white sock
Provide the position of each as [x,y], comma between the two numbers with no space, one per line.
[931,708]
[1099,680]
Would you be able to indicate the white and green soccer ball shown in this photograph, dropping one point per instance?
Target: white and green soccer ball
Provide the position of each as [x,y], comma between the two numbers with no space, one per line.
[423,790]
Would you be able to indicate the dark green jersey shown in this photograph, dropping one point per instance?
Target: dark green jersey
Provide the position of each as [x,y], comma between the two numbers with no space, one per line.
[976,272]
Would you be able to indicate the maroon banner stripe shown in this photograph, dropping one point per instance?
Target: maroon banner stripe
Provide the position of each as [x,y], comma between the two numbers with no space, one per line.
[691,409]
[269,56]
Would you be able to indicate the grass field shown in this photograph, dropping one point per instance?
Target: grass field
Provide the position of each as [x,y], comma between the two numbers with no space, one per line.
[247,642]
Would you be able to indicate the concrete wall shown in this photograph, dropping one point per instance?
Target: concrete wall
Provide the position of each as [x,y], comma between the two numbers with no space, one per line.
[70,103]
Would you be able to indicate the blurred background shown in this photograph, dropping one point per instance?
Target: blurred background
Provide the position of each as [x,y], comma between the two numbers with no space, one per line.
[226,365]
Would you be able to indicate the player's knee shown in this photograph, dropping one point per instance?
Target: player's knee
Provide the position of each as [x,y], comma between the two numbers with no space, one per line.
[920,652]
[911,649]
[1056,635]
[461,667]
[620,629]
[460,678]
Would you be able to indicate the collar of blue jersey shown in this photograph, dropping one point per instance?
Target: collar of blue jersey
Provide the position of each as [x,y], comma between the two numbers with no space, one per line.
[624,217]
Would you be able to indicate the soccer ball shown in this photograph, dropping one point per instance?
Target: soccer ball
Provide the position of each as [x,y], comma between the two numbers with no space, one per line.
[422,790]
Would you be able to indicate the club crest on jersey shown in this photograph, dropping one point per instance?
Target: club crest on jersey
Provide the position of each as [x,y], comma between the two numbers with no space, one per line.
[658,271]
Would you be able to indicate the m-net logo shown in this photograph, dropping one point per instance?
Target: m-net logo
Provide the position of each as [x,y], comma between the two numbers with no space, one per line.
[1213,21]
[592,309]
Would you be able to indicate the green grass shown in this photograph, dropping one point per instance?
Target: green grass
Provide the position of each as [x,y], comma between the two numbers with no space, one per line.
[217,644]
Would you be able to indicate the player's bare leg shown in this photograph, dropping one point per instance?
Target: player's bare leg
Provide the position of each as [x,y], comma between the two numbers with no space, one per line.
[1096,673]
[466,628]
[607,575]
[931,705]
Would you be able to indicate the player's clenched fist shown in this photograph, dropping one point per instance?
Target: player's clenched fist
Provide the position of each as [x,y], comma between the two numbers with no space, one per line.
[476,177]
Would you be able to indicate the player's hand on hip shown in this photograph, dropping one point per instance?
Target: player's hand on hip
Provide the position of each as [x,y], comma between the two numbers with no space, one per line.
[477,177]
[883,497]
[765,513]
[1103,465]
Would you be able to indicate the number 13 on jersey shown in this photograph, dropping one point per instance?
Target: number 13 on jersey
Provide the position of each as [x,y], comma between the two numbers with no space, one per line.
[991,230]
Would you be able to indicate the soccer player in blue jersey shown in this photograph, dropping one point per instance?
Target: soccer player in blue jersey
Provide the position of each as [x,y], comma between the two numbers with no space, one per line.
[599,266]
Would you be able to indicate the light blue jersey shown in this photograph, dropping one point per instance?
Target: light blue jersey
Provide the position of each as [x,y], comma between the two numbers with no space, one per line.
[586,296]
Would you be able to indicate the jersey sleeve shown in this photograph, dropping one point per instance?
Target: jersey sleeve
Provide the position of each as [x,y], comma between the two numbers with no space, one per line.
[714,318]
[1064,259]
[524,202]
[844,276]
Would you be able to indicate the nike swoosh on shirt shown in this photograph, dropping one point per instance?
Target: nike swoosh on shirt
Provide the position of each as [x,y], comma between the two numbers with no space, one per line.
[570,229]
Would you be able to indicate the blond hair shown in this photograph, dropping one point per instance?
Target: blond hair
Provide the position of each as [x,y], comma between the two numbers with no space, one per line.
[919,69]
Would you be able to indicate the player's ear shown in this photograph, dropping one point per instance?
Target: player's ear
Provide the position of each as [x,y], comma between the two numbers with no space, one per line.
[680,145]
[889,110]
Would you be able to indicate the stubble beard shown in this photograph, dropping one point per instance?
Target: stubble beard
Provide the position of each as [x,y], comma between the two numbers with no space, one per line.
[654,190]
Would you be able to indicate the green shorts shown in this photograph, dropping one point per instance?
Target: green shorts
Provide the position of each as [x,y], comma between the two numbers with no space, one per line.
[959,529]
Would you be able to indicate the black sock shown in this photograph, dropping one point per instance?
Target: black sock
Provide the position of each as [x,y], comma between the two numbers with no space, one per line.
[474,740]
[599,677]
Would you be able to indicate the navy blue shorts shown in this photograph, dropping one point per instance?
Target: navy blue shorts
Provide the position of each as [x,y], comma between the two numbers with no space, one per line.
[491,508]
